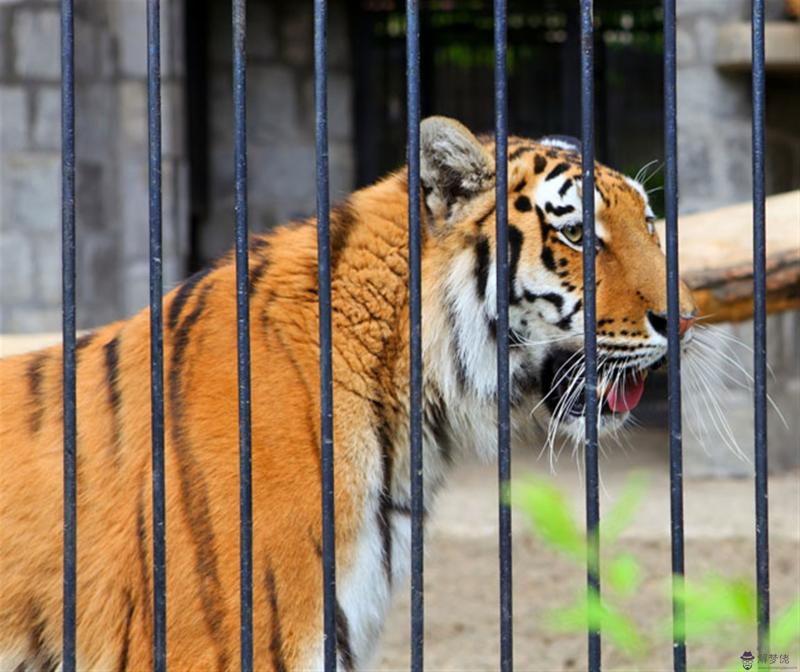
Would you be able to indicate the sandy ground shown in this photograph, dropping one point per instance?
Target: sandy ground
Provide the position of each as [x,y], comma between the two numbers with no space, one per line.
[461,576]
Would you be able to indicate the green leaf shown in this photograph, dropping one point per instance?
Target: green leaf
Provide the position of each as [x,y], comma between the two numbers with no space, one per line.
[623,510]
[714,602]
[786,628]
[550,516]
[590,611]
[624,574]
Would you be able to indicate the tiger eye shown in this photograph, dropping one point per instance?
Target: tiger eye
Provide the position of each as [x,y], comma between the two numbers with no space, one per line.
[573,233]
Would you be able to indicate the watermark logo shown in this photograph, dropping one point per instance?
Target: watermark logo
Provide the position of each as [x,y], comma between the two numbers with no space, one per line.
[768,659]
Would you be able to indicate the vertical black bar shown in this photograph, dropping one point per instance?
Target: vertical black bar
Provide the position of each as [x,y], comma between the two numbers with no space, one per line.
[156,336]
[415,340]
[325,336]
[239,14]
[760,331]
[68,327]
[590,319]
[502,281]
[673,335]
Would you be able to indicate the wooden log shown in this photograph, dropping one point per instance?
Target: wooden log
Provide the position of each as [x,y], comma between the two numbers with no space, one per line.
[716,258]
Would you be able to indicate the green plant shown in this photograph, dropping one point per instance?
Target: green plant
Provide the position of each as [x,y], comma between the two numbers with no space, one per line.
[712,606]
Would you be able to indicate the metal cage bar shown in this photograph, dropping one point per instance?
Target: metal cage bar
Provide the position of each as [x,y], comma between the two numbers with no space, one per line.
[760,330]
[415,307]
[503,289]
[415,336]
[590,324]
[239,21]
[156,335]
[673,333]
[68,330]
[325,336]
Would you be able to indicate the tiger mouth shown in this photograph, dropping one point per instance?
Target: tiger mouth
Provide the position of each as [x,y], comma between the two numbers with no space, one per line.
[619,393]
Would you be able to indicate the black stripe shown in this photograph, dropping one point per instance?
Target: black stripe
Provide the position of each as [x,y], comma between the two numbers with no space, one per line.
[564,188]
[84,341]
[556,299]
[523,383]
[482,265]
[521,185]
[276,634]
[184,294]
[565,323]
[435,419]
[144,563]
[194,492]
[480,221]
[385,499]
[343,639]
[111,352]
[258,243]
[603,196]
[455,349]
[548,259]
[523,203]
[35,374]
[546,255]
[514,337]
[256,273]
[126,642]
[311,420]
[544,227]
[560,168]
[43,658]
[343,219]
[515,240]
[519,151]
[539,163]
[558,210]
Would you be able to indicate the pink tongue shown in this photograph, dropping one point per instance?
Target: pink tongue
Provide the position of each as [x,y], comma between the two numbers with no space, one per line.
[626,394]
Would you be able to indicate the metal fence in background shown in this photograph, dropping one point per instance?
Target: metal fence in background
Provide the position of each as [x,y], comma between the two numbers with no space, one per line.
[160,641]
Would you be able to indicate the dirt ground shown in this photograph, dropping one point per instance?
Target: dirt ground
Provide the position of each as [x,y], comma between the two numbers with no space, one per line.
[461,576]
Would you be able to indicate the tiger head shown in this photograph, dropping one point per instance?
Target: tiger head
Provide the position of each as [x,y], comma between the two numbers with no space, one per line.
[545,231]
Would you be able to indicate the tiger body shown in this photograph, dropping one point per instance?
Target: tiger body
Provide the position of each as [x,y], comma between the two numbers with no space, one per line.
[370,323]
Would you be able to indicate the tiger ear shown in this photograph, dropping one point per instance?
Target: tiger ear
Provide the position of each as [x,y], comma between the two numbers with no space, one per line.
[454,166]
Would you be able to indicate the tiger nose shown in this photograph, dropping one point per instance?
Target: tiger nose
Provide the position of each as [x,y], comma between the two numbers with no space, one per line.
[659,322]
[685,323]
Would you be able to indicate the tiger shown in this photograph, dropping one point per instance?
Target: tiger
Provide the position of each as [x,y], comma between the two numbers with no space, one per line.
[369,239]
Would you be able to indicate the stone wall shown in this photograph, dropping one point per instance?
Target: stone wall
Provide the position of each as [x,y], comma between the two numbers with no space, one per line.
[714,108]
[715,164]
[280,118]
[111,160]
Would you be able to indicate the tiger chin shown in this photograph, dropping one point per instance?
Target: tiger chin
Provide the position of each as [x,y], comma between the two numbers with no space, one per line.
[369,268]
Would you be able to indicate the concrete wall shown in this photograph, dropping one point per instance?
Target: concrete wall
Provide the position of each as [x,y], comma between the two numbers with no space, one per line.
[280,117]
[111,164]
[714,148]
[714,108]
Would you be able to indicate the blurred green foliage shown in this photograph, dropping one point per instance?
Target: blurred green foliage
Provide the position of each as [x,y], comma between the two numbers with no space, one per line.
[715,608]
